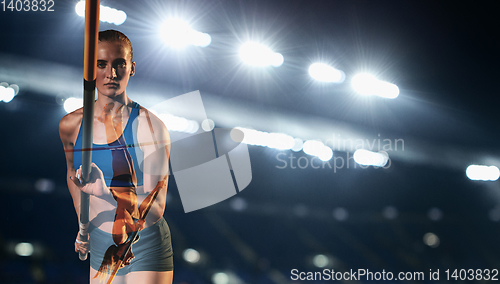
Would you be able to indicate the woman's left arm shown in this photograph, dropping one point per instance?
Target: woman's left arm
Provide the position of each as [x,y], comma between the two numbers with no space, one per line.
[154,141]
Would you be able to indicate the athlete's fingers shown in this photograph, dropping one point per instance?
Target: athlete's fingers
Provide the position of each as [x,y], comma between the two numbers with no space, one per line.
[81,246]
[79,173]
[76,181]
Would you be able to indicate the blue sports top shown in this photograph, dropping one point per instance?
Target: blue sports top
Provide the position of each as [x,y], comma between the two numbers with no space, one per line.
[102,153]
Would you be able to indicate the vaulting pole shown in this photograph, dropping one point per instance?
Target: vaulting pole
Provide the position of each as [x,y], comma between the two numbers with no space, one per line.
[89,76]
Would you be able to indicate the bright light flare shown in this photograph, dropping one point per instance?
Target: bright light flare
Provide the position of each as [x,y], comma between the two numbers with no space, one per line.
[321,260]
[326,154]
[80,9]
[484,173]
[179,124]
[325,73]
[318,149]
[369,158]
[24,249]
[297,146]
[312,147]
[106,14]
[259,55]
[191,255]
[207,124]
[8,92]
[220,278]
[280,141]
[368,85]
[72,104]
[431,240]
[177,33]
[252,136]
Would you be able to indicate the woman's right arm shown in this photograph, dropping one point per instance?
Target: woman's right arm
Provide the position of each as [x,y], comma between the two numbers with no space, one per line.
[68,131]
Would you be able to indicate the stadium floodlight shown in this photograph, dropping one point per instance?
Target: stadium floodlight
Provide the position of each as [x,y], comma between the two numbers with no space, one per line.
[297,146]
[484,173]
[8,92]
[207,124]
[280,141]
[72,104]
[220,278]
[431,240]
[177,33]
[259,55]
[312,147]
[321,261]
[318,149]
[252,136]
[325,73]
[106,14]
[366,84]
[326,154]
[191,255]
[24,249]
[179,124]
[369,158]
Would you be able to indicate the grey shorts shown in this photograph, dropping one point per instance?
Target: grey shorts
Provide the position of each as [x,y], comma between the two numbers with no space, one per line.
[153,251]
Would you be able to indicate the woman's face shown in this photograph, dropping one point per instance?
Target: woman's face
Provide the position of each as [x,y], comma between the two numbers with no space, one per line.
[114,68]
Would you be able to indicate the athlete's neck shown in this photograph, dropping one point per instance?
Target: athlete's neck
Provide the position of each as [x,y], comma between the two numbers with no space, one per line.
[117,102]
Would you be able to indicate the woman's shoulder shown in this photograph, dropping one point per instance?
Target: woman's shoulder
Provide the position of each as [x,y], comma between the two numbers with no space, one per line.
[150,117]
[150,123]
[70,123]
